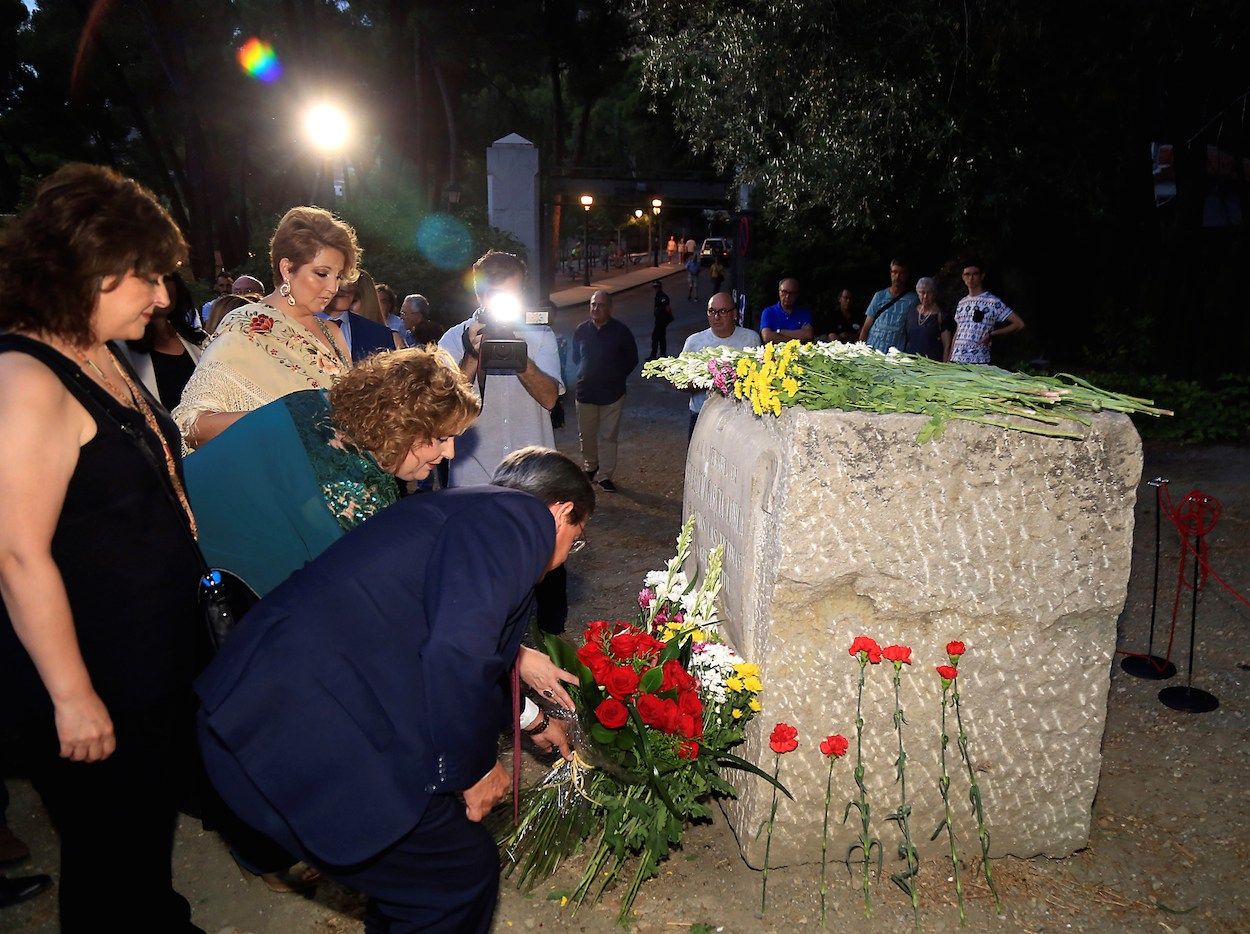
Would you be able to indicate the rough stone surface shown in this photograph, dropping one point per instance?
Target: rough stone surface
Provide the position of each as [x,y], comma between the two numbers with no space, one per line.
[838,524]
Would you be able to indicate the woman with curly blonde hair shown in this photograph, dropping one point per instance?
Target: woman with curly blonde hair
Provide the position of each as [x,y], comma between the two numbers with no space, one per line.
[266,349]
[282,484]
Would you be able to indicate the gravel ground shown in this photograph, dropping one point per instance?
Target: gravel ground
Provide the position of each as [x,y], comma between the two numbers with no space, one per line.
[1168,847]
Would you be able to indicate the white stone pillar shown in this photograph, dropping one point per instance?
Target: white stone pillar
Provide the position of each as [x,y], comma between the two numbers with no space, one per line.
[838,524]
[512,192]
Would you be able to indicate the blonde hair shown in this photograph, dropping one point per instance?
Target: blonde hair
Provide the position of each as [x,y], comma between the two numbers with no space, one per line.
[390,401]
[305,230]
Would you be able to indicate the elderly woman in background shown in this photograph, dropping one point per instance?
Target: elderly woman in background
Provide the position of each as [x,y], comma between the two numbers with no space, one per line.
[100,631]
[278,487]
[165,356]
[927,330]
[263,351]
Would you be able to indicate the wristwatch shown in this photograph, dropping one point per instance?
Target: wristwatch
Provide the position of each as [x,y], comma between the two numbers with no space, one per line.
[542,724]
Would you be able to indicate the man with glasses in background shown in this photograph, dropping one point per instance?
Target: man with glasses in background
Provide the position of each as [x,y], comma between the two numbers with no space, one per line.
[786,321]
[722,316]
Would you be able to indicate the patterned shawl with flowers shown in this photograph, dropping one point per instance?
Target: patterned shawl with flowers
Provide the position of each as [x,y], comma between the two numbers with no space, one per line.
[257,355]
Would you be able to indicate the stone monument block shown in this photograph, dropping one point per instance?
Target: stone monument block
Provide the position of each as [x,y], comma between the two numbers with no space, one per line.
[837,524]
[512,191]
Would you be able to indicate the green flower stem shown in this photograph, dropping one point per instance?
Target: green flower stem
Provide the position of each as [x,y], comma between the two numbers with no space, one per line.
[974,795]
[866,841]
[903,814]
[824,842]
[944,783]
[768,844]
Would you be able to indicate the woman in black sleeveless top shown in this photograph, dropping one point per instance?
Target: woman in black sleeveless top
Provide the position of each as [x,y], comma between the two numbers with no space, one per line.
[100,633]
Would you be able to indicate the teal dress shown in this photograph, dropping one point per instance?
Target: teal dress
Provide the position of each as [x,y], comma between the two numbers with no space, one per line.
[276,489]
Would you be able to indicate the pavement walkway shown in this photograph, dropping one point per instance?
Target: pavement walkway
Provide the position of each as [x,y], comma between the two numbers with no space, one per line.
[612,283]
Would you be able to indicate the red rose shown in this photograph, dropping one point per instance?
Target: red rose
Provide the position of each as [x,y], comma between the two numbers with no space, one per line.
[624,646]
[593,658]
[674,675]
[899,654]
[260,324]
[648,647]
[656,712]
[595,629]
[948,672]
[688,750]
[688,702]
[868,646]
[954,649]
[621,682]
[689,725]
[835,745]
[612,714]
[784,738]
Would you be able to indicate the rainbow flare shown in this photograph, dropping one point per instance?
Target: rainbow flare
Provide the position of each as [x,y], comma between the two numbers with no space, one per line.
[258,60]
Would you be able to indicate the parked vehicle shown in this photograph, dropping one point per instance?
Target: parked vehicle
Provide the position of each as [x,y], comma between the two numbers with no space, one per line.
[714,248]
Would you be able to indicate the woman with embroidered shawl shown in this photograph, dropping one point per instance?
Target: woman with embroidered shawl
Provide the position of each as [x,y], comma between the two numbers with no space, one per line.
[279,486]
[267,349]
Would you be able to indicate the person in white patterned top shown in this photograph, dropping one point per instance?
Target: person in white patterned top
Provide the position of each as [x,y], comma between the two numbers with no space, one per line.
[980,316]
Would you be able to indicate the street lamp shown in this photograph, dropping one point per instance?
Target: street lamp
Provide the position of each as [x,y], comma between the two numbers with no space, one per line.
[638,217]
[656,204]
[327,129]
[587,201]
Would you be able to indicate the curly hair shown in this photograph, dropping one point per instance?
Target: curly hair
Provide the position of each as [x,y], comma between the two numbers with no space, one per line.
[305,230]
[87,224]
[388,402]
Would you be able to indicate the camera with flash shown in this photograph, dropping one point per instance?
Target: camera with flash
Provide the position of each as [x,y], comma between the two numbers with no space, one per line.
[501,350]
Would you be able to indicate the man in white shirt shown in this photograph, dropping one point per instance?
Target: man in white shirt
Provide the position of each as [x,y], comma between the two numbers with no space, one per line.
[980,317]
[516,407]
[722,316]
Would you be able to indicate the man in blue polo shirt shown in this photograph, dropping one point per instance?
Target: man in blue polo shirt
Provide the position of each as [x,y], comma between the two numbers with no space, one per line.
[786,321]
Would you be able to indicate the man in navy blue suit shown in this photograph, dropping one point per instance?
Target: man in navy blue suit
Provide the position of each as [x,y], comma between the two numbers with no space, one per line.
[364,337]
[353,717]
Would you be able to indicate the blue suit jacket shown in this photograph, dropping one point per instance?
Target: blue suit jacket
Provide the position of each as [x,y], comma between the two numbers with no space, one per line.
[368,337]
[347,698]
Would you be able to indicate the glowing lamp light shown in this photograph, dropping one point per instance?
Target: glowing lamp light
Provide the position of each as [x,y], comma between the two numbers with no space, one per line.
[587,201]
[257,58]
[326,127]
[638,214]
[656,204]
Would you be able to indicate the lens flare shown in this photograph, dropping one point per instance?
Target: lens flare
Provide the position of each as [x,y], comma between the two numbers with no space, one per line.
[445,241]
[327,127]
[258,60]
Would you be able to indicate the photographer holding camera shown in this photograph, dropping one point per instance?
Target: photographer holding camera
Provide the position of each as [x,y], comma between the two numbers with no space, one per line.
[515,365]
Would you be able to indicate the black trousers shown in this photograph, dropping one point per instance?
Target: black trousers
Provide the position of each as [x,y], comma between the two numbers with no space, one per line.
[551,601]
[442,877]
[659,340]
[116,821]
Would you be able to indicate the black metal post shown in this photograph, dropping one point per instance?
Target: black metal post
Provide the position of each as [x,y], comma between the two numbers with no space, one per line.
[1151,666]
[1186,697]
[586,246]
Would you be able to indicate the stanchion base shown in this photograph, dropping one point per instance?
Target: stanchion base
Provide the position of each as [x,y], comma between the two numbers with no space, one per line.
[1192,700]
[1150,667]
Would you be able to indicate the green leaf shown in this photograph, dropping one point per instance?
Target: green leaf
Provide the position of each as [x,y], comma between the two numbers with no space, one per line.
[565,656]
[601,734]
[651,681]
[737,762]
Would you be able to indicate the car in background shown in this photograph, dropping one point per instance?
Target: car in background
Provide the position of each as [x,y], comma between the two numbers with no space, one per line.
[716,248]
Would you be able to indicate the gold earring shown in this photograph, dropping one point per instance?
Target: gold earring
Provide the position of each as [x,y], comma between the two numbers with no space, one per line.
[285,290]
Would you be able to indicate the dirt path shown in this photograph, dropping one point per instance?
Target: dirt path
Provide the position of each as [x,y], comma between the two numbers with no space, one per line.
[1168,849]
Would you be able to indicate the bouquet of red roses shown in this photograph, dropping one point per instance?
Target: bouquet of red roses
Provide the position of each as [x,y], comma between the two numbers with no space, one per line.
[657,711]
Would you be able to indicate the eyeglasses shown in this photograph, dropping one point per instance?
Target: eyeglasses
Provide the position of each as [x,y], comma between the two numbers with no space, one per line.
[720,312]
[577,546]
[789,292]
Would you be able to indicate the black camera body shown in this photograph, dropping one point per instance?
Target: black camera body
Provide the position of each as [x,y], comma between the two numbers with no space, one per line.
[501,351]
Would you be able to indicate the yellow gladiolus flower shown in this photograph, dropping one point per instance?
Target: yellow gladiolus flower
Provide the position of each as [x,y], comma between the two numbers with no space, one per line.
[735,684]
[753,684]
[790,385]
[747,668]
[742,366]
[737,714]
[755,705]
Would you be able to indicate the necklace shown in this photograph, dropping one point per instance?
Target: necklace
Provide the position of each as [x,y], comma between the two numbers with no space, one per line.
[112,387]
[149,417]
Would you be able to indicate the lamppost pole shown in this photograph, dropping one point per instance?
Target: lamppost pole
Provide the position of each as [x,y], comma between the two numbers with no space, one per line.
[656,204]
[587,201]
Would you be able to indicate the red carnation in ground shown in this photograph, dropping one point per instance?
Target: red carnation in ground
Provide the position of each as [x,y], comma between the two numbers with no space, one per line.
[868,646]
[955,649]
[835,745]
[948,672]
[612,714]
[688,750]
[899,654]
[784,738]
